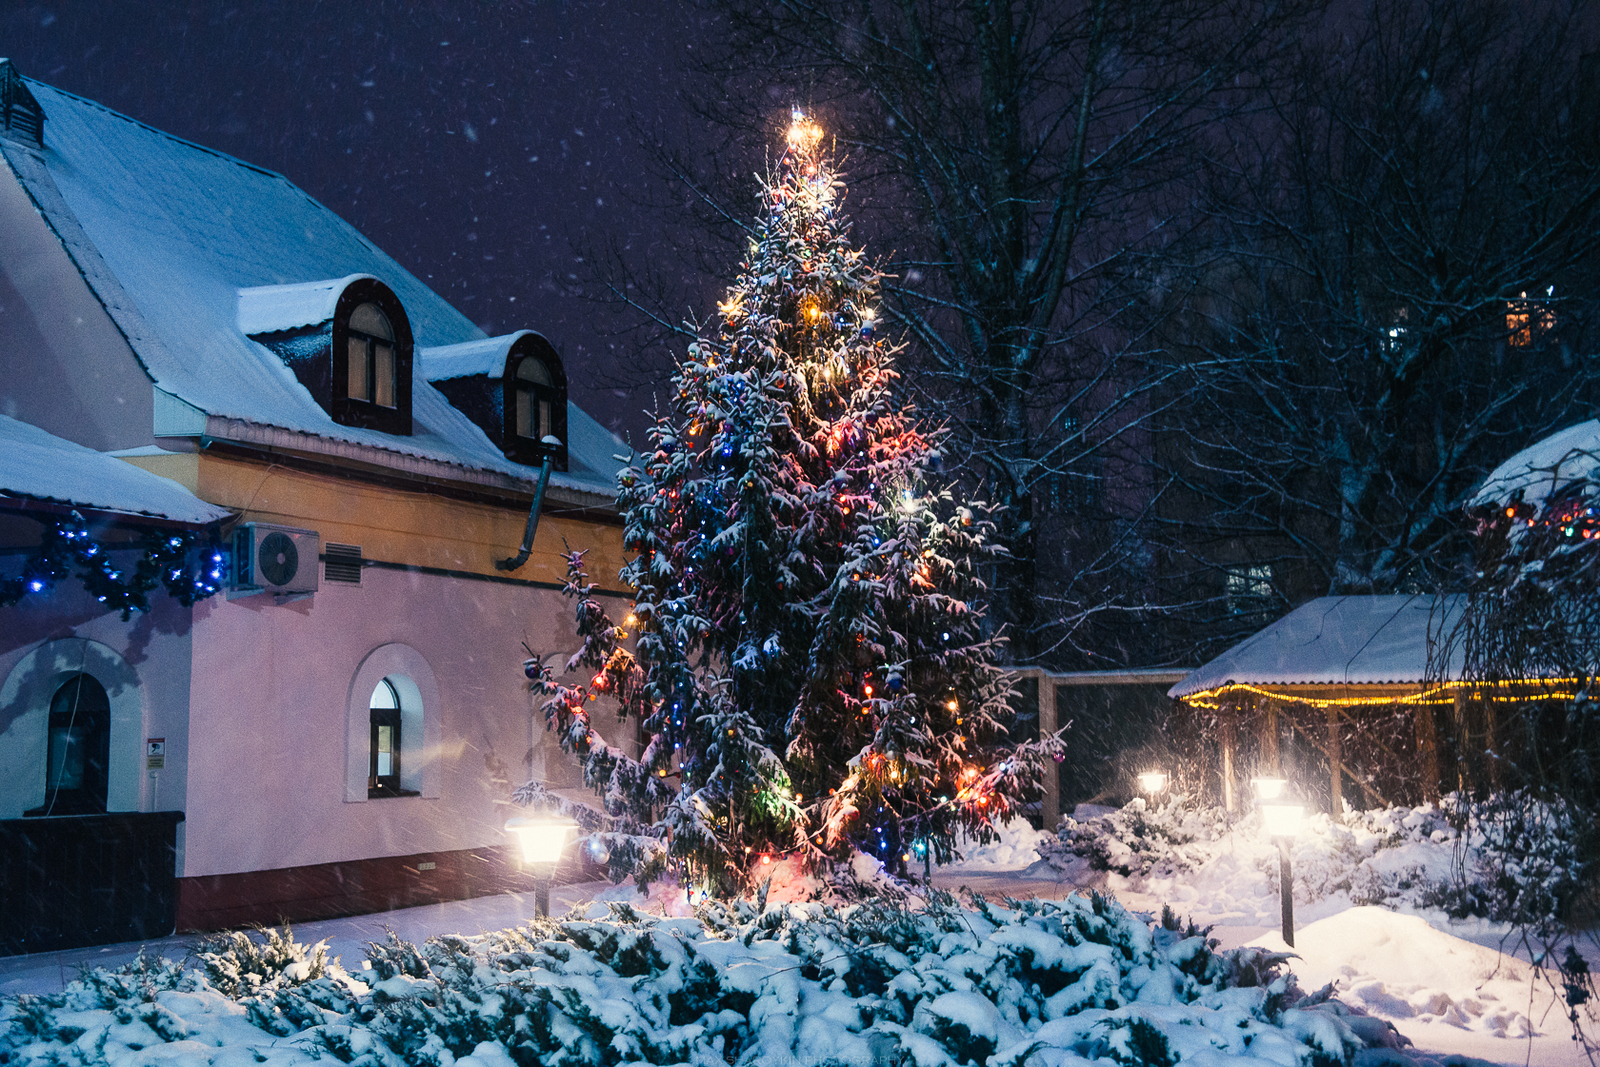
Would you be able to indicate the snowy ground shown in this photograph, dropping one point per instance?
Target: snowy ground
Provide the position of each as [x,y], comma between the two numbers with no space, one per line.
[1443,985]
[1452,988]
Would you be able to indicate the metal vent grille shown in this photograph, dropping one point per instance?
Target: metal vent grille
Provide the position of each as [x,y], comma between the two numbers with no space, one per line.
[341,563]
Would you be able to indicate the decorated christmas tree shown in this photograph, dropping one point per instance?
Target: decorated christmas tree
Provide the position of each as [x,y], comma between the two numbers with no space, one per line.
[810,665]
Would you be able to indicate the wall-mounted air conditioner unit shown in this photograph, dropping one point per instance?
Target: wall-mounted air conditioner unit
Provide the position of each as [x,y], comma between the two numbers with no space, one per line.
[275,559]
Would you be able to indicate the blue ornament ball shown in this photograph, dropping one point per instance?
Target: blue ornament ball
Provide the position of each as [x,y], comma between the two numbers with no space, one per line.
[531,669]
[867,330]
[895,683]
[595,848]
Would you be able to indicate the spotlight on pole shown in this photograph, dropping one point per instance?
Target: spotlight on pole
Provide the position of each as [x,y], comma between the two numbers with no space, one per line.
[541,840]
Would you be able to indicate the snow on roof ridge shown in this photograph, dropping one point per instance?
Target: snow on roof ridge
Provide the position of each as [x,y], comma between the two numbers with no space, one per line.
[1339,640]
[1544,466]
[272,308]
[485,355]
[114,113]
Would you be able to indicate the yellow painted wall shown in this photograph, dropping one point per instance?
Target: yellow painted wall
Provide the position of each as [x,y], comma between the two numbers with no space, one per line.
[390,524]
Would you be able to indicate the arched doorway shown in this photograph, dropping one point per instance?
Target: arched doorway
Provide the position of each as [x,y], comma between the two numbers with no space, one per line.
[78,749]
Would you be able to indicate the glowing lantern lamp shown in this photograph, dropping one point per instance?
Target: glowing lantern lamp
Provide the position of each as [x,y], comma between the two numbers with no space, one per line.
[1152,782]
[1283,822]
[542,840]
[1268,788]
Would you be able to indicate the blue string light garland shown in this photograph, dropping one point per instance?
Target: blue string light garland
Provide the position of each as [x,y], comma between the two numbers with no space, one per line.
[190,566]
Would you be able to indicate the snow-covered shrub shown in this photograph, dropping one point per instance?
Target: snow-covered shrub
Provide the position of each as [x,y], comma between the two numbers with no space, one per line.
[284,985]
[138,980]
[1138,839]
[1508,858]
[237,964]
[1026,984]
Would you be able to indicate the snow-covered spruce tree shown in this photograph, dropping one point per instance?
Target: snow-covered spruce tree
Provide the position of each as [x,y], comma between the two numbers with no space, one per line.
[811,665]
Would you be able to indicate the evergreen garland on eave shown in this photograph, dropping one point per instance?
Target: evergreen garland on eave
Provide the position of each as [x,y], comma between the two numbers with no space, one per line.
[188,564]
[810,661]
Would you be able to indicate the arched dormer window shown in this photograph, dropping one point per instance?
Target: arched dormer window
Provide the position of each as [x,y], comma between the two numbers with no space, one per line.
[535,403]
[372,352]
[369,342]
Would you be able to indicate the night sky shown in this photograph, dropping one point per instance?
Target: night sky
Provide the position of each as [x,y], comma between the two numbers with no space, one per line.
[485,145]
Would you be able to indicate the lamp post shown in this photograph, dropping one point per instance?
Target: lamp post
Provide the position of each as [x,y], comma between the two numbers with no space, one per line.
[541,839]
[1283,822]
[1152,782]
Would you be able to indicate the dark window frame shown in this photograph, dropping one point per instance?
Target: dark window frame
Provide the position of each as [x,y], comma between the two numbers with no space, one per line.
[385,785]
[354,411]
[532,450]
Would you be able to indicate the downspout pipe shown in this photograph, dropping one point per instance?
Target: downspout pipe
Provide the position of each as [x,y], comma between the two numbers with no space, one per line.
[533,512]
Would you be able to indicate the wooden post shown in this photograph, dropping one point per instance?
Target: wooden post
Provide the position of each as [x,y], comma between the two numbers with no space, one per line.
[1428,751]
[1463,743]
[1270,764]
[1229,744]
[1335,755]
[1491,744]
[1050,803]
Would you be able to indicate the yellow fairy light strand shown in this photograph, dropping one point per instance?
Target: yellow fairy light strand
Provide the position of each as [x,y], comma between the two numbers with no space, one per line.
[1439,694]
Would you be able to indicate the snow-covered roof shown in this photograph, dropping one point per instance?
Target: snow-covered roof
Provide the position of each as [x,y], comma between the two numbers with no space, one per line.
[470,358]
[1337,640]
[271,308]
[178,241]
[36,465]
[1559,460]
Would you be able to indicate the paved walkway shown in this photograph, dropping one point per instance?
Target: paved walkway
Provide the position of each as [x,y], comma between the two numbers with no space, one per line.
[47,972]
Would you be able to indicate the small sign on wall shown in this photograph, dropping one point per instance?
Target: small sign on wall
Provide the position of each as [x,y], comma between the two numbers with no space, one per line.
[155,753]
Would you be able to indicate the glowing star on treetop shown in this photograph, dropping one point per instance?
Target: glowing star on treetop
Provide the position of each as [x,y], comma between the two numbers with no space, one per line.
[803,133]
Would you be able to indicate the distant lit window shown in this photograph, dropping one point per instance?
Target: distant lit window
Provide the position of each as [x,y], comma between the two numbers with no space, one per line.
[370,339]
[1249,589]
[1527,320]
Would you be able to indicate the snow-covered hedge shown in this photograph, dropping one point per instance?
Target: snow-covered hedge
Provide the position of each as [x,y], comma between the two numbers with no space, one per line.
[1032,984]
[1507,858]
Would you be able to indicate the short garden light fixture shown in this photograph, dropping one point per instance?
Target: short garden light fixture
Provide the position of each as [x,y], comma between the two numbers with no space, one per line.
[1282,821]
[1152,782]
[541,840]
[1268,789]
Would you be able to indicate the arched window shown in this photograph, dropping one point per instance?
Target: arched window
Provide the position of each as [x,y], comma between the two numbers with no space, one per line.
[372,357]
[387,745]
[535,391]
[535,403]
[78,749]
[369,338]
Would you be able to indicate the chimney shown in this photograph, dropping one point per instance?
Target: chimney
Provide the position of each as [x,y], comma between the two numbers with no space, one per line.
[21,117]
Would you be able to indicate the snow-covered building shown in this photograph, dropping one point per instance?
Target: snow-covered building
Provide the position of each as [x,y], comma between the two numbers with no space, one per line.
[341,726]
[1342,690]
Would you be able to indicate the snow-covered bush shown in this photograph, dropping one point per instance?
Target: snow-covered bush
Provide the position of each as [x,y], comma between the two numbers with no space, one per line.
[1138,839]
[1527,869]
[285,986]
[1508,858]
[1027,984]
